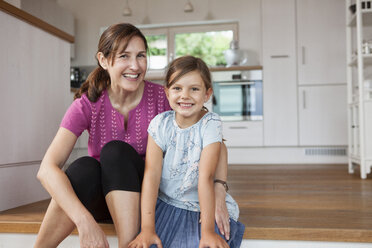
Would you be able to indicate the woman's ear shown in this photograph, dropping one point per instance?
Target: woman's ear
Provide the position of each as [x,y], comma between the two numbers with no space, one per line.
[102,60]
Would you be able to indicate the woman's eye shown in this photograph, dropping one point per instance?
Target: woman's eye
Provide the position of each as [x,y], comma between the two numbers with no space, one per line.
[123,56]
[142,55]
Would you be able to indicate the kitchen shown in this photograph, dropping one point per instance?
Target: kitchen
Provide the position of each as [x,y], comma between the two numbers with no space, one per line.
[274,31]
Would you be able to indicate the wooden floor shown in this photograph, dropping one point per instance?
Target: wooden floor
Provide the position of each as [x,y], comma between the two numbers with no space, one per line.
[277,202]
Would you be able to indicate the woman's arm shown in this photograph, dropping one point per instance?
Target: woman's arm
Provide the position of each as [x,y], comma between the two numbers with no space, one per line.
[207,166]
[149,194]
[221,214]
[59,187]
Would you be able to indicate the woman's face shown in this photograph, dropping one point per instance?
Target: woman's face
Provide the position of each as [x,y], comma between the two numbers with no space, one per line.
[127,70]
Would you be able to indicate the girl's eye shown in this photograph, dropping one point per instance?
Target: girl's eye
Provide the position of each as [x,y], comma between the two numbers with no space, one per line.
[141,55]
[176,88]
[195,89]
[123,56]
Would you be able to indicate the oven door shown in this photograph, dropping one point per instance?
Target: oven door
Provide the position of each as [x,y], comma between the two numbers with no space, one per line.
[236,101]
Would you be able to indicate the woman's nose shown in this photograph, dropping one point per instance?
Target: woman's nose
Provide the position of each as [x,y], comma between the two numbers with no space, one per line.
[134,64]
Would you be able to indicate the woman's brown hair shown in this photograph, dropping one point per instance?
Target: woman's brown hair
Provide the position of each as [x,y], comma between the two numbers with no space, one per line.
[185,64]
[109,44]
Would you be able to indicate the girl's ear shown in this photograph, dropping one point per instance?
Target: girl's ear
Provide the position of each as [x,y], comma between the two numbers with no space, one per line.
[102,60]
[208,94]
[166,92]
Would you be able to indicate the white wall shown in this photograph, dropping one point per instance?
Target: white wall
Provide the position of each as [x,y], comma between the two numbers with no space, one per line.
[34,94]
[91,15]
[16,3]
[50,12]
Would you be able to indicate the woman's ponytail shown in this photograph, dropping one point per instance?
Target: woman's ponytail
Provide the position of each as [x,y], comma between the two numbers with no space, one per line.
[97,81]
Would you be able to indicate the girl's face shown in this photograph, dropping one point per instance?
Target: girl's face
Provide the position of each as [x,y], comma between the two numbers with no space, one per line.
[187,97]
[128,69]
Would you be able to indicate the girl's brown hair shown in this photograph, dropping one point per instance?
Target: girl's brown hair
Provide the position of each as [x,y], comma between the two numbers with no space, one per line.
[109,44]
[185,64]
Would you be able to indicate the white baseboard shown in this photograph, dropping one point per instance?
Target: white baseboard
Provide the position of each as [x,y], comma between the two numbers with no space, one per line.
[287,155]
[72,241]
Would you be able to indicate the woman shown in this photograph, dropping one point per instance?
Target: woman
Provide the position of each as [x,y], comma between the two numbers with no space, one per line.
[115,105]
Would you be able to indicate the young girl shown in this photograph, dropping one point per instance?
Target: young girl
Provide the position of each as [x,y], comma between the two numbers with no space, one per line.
[182,154]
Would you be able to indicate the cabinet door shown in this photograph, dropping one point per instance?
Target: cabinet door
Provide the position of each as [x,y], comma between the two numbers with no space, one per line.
[279,73]
[242,133]
[321,41]
[323,115]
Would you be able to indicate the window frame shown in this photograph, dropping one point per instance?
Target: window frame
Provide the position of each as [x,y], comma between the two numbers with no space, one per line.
[170,30]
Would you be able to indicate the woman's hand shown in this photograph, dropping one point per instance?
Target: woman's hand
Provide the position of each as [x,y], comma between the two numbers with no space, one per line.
[222,215]
[145,239]
[212,240]
[91,235]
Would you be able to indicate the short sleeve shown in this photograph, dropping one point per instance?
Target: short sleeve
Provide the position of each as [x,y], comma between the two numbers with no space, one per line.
[211,129]
[77,116]
[157,130]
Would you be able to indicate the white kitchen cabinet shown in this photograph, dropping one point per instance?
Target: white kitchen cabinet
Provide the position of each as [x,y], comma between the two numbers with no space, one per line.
[358,29]
[279,74]
[322,115]
[320,41]
[243,133]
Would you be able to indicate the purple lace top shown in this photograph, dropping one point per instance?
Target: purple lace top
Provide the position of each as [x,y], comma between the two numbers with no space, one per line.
[104,123]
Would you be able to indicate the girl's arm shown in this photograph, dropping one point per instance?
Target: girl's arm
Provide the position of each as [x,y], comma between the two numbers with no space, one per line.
[207,166]
[221,214]
[59,187]
[149,194]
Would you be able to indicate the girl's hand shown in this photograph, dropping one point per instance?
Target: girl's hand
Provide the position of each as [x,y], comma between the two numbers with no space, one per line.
[92,236]
[222,215]
[145,240]
[212,240]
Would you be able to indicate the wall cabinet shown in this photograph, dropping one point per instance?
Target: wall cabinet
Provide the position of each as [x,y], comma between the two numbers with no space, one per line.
[320,41]
[322,115]
[279,72]
[304,62]
[359,88]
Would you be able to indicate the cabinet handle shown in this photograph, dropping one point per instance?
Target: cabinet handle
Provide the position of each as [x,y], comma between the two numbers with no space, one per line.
[303,55]
[279,56]
[304,99]
[242,127]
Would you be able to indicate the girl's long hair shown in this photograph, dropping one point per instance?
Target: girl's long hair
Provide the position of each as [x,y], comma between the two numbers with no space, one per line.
[109,44]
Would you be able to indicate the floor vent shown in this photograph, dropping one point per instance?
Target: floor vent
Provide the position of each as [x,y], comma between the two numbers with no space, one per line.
[325,151]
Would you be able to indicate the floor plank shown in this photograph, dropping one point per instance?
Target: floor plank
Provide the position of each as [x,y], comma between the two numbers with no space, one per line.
[278,202]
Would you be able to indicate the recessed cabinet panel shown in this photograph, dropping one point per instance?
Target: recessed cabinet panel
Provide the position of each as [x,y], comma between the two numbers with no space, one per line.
[322,115]
[321,41]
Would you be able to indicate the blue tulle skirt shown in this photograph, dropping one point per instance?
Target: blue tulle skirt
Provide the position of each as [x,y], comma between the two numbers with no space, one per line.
[180,228]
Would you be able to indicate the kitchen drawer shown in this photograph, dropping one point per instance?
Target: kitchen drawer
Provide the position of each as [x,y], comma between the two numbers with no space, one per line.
[243,133]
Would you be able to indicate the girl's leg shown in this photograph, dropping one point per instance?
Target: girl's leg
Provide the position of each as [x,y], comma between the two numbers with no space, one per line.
[122,174]
[85,178]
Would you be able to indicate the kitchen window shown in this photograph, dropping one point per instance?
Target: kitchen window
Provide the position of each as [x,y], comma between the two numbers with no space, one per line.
[205,40]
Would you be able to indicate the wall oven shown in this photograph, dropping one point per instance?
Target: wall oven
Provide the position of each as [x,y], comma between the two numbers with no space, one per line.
[237,95]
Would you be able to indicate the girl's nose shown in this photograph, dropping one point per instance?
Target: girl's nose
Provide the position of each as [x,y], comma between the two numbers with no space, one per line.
[185,94]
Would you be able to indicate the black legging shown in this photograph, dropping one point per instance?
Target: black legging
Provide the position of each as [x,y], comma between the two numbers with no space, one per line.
[121,168]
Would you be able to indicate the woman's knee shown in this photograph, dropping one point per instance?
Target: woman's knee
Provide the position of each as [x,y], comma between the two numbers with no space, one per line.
[85,177]
[122,167]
